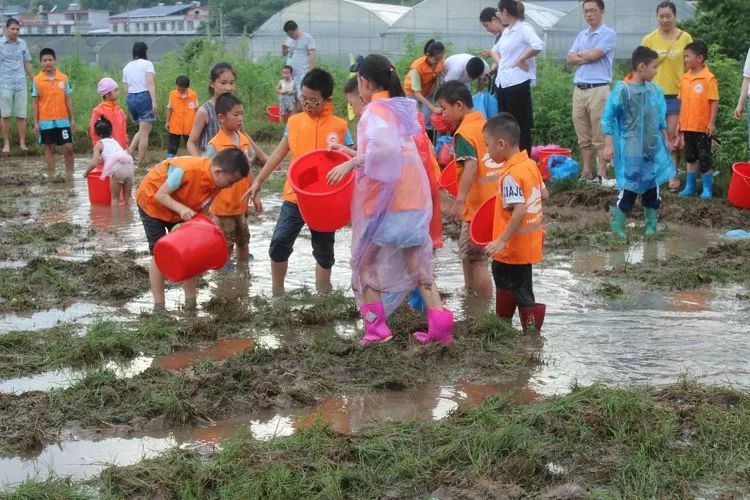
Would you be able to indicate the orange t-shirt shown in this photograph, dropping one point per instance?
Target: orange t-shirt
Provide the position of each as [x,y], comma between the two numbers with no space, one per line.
[196,190]
[697,91]
[306,133]
[427,76]
[184,108]
[484,186]
[520,182]
[229,201]
[51,93]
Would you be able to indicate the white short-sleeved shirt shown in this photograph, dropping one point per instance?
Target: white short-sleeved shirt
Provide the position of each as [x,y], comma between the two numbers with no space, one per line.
[134,75]
[454,68]
[297,55]
[746,70]
[512,192]
[514,43]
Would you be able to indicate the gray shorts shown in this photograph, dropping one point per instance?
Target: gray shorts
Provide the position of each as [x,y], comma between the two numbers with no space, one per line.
[287,104]
[13,103]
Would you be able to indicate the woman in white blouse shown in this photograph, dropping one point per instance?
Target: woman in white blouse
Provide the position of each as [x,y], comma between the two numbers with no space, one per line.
[514,54]
[744,91]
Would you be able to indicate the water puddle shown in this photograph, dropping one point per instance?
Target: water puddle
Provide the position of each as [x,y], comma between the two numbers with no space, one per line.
[82,312]
[222,349]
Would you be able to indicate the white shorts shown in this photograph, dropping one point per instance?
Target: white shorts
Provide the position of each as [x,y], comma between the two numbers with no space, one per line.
[13,103]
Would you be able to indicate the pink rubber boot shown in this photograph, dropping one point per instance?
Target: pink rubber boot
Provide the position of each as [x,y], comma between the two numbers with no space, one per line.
[439,327]
[376,329]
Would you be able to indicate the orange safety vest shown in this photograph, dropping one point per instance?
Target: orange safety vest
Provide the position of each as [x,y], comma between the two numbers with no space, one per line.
[183,110]
[197,190]
[427,76]
[51,95]
[116,116]
[525,246]
[306,133]
[484,186]
[229,201]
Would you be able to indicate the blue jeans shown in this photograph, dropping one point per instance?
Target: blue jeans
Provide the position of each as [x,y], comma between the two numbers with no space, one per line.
[140,107]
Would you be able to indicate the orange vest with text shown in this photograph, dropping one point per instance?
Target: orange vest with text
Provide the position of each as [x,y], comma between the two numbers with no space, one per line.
[229,200]
[427,76]
[525,246]
[484,186]
[183,110]
[51,93]
[196,191]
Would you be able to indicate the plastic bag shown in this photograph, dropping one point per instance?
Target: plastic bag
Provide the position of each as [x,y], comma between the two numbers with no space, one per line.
[486,103]
[562,168]
[444,148]
[441,124]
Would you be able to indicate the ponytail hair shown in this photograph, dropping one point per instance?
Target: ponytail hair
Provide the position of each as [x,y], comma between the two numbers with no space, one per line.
[379,71]
[514,8]
[433,48]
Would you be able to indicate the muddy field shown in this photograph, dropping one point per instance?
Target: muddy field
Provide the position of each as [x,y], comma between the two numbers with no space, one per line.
[258,397]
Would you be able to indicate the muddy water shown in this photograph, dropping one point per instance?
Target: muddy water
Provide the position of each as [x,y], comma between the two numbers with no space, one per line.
[639,337]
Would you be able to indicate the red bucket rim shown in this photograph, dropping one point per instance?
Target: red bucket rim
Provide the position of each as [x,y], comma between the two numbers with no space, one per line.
[741,164]
[348,180]
[274,110]
[442,175]
[488,201]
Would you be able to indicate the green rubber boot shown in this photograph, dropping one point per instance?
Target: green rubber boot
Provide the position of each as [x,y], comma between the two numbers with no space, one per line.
[651,216]
[617,221]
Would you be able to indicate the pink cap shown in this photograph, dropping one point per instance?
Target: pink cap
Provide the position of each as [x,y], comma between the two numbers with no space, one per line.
[105,86]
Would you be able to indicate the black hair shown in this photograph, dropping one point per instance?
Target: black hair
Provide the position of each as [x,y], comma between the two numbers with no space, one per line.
[320,80]
[642,55]
[290,26]
[698,48]
[599,3]
[453,92]
[182,81]
[140,50]
[667,5]
[475,68]
[379,71]
[503,126]
[225,103]
[286,66]
[47,52]
[433,48]
[487,14]
[103,128]
[351,86]
[216,71]
[512,7]
[232,161]
[11,21]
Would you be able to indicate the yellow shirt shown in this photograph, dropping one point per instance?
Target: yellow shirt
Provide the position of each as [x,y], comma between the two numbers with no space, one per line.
[671,63]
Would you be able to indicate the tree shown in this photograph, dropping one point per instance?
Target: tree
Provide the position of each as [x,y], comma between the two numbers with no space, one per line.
[723,23]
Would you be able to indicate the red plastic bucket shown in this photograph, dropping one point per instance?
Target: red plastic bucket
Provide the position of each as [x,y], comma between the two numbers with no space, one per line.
[449,179]
[274,113]
[324,207]
[195,247]
[480,229]
[739,187]
[544,154]
[99,192]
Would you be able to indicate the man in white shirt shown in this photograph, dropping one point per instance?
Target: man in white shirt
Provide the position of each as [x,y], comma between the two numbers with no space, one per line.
[299,50]
[464,68]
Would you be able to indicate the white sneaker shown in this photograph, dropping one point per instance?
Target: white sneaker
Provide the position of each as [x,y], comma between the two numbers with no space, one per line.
[609,183]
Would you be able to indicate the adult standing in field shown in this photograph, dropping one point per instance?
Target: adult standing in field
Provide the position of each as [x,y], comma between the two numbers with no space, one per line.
[740,110]
[299,50]
[138,77]
[593,52]
[15,65]
[669,42]
[515,54]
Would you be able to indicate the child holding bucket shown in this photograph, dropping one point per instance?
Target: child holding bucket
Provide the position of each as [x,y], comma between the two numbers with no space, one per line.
[174,191]
[206,124]
[109,91]
[229,209]
[391,209]
[517,231]
[477,179]
[315,128]
[118,164]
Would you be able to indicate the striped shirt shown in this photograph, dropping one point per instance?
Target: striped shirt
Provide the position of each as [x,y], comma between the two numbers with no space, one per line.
[12,57]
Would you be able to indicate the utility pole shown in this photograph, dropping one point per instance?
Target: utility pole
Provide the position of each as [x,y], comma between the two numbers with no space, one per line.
[221,24]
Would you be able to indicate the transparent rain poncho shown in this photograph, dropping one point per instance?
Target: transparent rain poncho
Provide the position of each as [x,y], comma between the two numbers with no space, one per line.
[391,206]
[635,117]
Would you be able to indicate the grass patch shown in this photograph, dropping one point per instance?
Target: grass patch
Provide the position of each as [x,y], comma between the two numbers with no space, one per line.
[596,235]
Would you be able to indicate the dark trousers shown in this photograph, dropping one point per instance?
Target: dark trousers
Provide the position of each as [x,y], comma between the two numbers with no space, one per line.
[517,279]
[516,100]
[649,199]
[288,226]
[173,143]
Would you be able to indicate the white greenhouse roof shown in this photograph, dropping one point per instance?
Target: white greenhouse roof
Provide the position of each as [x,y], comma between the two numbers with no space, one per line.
[543,17]
[387,12]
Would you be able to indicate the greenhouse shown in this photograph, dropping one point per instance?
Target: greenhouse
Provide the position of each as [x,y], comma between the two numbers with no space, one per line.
[339,27]
[631,19]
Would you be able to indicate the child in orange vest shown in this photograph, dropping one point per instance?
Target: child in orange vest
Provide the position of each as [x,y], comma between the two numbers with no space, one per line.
[391,209]
[517,230]
[53,110]
[109,91]
[229,209]
[206,125]
[181,109]
[175,190]
[315,128]
[422,79]
[477,179]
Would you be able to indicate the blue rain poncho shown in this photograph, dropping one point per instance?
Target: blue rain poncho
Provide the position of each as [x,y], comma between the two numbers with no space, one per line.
[635,117]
